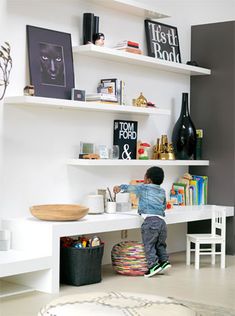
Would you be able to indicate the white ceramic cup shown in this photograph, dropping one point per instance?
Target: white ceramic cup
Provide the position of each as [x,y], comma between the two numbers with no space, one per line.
[111,207]
[95,202]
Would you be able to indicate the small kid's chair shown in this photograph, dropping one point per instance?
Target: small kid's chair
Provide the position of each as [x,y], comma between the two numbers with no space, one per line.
[217,236]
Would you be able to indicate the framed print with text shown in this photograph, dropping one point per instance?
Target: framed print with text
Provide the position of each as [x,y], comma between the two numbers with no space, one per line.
[162,41]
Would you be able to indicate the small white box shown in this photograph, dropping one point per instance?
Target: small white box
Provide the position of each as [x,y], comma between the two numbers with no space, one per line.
[123,206]
[5,240]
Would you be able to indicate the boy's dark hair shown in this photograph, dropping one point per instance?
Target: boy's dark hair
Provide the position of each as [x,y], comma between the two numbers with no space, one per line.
[155,174]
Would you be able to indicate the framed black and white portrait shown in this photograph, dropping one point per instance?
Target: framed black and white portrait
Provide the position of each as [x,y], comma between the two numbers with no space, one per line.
[162,41]
[50,62]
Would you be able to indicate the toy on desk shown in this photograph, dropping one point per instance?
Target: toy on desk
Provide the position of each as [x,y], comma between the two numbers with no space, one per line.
[169,204]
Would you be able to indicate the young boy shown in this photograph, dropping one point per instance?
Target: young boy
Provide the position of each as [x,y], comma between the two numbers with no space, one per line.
[152,205]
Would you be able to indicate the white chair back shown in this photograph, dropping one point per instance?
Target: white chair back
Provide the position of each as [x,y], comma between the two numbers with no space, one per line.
[218,221]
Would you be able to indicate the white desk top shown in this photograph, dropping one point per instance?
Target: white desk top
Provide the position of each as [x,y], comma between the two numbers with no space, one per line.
[112,222]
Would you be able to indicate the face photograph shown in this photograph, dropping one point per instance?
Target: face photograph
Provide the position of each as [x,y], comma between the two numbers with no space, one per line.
[52,64]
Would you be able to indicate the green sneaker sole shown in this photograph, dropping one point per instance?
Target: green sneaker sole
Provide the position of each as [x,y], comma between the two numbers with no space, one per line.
[167,267]
[153,272]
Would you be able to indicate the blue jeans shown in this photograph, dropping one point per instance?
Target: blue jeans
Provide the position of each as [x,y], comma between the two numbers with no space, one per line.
[154,234]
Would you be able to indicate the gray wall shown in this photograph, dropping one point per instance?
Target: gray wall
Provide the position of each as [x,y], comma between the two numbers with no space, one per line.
[212,109]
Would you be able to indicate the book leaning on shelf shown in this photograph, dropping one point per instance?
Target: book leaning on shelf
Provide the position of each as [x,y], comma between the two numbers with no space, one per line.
[201,184]
[179,193]
[190,190]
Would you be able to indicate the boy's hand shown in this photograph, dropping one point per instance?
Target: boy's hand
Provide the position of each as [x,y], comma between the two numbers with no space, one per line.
[116,189]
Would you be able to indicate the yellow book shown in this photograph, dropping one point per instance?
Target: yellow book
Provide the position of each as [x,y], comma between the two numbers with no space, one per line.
[194,185]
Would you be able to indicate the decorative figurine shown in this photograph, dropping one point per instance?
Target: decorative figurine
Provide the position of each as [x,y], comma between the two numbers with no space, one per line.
[170,149]
[143,151]
[98,39]
[29,90]
[163,150]
[156,149]
[141,101]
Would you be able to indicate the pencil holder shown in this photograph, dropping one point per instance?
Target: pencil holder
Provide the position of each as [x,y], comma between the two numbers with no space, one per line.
[111,207]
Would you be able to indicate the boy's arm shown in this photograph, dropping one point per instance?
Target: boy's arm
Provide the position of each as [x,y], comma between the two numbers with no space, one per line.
[136,189]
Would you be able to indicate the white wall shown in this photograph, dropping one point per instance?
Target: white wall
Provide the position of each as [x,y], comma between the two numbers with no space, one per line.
[35,143]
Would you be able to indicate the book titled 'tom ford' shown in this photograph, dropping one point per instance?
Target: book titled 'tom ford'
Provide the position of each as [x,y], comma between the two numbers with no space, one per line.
[125,136]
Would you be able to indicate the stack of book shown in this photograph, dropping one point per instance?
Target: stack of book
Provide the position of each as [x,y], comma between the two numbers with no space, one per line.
[101,97]
[108,91]
[128,46]
[190,190]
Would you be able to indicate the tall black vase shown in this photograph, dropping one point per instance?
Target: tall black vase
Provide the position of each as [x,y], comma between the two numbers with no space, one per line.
[184,133]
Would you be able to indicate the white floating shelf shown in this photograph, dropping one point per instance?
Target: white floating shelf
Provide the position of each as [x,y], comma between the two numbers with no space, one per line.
[140,60]
[129,163]
[131,6]
[14,262]
[85,106]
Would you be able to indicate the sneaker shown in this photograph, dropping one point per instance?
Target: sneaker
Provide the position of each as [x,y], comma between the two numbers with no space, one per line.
[154,270]
[165,266]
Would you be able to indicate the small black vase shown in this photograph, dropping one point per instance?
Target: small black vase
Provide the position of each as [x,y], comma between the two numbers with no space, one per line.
[184,133]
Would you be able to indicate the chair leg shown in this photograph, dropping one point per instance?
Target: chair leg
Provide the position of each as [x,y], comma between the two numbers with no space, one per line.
[222,264]
[188,252]
[213,254]
[197,255]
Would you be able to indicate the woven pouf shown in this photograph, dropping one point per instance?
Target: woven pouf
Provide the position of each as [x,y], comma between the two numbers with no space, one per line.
[128,258]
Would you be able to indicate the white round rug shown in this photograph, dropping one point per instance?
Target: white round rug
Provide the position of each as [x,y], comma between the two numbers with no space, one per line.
[115,304]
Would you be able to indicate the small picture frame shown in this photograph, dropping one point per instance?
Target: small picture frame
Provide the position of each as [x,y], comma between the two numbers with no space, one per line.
[162,41]
[78,95]
[103,151]
[87,148]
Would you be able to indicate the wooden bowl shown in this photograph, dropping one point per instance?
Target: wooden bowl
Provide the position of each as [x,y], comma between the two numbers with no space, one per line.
[59,212]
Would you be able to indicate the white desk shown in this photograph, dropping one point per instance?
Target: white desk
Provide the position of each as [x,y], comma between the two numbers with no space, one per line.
[36,244]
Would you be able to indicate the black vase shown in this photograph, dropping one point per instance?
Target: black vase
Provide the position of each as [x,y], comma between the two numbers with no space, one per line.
[184,133]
